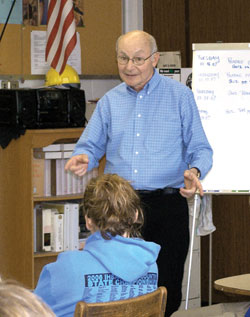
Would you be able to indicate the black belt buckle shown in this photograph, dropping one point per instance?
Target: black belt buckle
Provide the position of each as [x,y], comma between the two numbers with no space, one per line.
[159,191]
[170,190]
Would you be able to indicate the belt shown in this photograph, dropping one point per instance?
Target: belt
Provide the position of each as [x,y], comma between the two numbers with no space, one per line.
[159,191]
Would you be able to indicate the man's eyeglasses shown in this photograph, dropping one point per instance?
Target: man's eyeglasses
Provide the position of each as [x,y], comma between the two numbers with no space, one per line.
[123,59]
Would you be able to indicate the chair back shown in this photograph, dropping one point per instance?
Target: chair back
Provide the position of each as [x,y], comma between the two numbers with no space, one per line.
[149,305]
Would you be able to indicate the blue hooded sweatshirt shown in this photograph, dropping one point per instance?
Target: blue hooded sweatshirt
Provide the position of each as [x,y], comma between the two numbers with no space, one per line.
[248,313]
[105,270]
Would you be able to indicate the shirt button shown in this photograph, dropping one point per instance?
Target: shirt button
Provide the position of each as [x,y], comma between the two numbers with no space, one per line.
[136,152]
[137,134]
[140,96]
[135,171]
[139,115]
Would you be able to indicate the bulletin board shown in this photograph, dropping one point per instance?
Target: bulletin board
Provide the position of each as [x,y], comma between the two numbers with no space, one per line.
[103,25]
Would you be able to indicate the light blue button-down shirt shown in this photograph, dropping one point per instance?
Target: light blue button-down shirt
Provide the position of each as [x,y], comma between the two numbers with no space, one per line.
[149,137]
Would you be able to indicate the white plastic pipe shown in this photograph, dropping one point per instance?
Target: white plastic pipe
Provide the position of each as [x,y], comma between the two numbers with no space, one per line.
[191,248]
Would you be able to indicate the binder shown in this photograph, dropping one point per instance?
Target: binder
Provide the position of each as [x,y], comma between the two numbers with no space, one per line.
[46,229]
[57,231]
[38,168]
[74,226]
[62,208]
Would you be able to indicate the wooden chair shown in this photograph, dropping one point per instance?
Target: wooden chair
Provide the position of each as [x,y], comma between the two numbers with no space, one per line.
[149,305]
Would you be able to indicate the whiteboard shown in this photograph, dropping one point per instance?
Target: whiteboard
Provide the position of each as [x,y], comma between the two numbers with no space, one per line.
[221,86]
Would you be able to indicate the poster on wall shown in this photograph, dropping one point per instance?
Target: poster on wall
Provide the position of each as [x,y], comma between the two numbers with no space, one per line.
[35,12]
[38,45]
[30,12]
[78,12]
[16,14]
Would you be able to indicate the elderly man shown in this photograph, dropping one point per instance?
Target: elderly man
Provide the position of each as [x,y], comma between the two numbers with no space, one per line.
[150,130]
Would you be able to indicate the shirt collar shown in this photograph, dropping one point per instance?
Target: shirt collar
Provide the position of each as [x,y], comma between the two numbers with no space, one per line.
[150,85]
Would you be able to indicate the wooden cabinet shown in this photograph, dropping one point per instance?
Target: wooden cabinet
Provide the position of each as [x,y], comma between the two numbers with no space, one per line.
[17,259]
[230,245]
[177,24]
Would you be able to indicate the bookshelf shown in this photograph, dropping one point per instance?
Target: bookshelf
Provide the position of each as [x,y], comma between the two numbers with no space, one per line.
[18,261]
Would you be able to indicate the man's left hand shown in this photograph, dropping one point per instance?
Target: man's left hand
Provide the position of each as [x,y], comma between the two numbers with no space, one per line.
[192,184]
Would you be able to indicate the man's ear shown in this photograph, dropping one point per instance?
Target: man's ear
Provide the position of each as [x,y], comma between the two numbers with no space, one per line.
[156,58]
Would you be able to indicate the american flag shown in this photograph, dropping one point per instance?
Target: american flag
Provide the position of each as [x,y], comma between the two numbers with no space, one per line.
[61,33]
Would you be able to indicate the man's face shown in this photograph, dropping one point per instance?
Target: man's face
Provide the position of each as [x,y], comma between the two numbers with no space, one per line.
[133,75]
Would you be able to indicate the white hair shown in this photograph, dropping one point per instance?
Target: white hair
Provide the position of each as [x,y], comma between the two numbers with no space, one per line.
[148,38]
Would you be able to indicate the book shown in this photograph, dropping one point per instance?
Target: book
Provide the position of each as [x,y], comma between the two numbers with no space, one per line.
[66,228]
[54,151]
[47,178]
[47,155]
[62,208]
[38,228]
[95,172]
[51,155]
[80,188]
[74,226]
[50,148]
[64,177]
[53,177]
[74,183]
[68,147]
[59,177]
[83,183]
[57,147]
[37,223]
[56,177]
[46,229]
[69,182]
[57,231]
[38,169]
[66,154]
[34,229]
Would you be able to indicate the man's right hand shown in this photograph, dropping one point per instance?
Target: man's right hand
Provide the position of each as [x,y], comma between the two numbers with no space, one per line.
[78,164]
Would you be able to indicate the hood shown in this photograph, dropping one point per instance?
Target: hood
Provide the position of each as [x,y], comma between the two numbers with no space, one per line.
[127,258]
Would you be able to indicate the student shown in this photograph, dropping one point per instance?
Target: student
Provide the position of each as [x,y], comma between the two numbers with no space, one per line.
[237,309]
[150,130]
[115,262]
[17,301]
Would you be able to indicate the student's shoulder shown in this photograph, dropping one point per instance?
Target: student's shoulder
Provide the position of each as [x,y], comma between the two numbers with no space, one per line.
[71,255]
[64,263]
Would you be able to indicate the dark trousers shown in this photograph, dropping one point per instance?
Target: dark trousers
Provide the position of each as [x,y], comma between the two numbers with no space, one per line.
[167,223]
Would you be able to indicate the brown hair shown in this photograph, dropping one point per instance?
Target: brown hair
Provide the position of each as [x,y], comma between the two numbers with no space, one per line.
[17,301]
[113,206]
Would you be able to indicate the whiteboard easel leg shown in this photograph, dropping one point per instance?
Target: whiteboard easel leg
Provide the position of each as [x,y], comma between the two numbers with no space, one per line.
[191,249]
